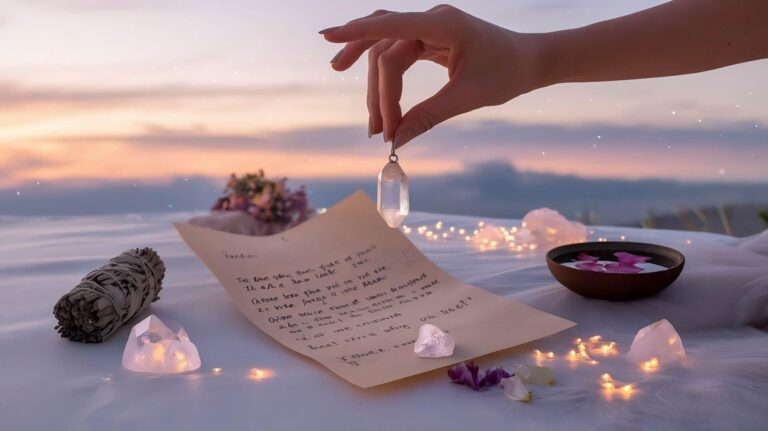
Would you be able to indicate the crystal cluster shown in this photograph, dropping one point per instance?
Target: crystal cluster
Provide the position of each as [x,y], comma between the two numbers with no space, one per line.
[657,343]
[550,228]
[152,347]
[392,194]
[433,343]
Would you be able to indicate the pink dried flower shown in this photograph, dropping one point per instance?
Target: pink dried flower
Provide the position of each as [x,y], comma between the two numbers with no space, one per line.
[269,201]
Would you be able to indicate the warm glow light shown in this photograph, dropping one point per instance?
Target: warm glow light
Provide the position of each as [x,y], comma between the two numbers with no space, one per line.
[158,353]
[609,385]
[259,374]
[541,356]
[651,365]
[181,361]
[216,371]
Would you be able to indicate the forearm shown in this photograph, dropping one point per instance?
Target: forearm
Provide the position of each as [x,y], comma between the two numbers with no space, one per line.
[679,37]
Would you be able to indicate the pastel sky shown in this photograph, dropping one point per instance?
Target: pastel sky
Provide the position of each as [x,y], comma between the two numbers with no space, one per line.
[147,90]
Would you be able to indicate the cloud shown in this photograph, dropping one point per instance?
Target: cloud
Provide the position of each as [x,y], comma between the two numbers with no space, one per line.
[102,5]
[731,152]
[549,6]
[482,135]
[13,96]
[20,161]
[506,132]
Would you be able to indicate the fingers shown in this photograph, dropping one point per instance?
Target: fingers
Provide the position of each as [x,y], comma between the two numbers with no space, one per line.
[392,64]
[348,55]
[449,102]
[375,122]
[405,25]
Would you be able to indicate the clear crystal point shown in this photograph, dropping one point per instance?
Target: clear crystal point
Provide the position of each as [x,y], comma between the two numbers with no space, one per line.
[392,194]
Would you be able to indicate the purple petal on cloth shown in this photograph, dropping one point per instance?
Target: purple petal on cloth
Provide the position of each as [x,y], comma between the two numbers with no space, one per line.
[629,259]
[619,268]
[492,377]
[591,266]
[467,373]
[584,257]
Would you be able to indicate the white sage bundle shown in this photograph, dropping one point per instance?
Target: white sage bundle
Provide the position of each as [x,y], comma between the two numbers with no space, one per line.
[110,296]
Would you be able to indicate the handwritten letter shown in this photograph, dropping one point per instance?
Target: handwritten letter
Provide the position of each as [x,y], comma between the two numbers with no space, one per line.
[351,293]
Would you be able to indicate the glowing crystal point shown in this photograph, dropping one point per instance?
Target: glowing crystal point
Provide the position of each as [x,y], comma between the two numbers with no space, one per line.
[392,194]
[657,343]
[152,347]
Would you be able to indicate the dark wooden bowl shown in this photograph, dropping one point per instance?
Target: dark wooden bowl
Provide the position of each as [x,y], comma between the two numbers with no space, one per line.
[612,286]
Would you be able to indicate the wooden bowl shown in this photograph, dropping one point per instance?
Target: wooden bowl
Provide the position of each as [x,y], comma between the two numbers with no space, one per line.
[615,286]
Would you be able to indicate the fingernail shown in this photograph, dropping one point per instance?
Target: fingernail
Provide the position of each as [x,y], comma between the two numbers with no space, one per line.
[370,127]
[336,57]
[328,30]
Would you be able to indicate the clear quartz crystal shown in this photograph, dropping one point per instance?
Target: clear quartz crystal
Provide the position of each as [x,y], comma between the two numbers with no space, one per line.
[433,342]
[392,194]
[153,347]
[658,340]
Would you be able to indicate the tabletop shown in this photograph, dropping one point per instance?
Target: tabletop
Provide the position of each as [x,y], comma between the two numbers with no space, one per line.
[719,306]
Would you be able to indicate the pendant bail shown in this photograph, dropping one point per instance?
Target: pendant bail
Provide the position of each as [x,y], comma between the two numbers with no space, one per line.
[392,156]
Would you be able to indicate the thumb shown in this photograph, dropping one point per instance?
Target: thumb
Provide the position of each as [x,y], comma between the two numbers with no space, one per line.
[446,103]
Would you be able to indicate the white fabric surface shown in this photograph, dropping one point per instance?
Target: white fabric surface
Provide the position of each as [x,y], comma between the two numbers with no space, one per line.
[719,306]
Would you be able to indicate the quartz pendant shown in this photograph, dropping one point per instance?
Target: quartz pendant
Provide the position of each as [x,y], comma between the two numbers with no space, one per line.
[392,193]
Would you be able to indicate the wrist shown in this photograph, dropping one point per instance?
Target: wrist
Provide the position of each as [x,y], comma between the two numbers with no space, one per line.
[556,57]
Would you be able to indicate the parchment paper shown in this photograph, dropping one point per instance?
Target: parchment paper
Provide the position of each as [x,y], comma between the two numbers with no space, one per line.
[349,292]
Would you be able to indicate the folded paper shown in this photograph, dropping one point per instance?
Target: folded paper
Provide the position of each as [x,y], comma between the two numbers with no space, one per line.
[346,290]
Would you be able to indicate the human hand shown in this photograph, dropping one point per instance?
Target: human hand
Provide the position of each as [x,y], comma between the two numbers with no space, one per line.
[487,65]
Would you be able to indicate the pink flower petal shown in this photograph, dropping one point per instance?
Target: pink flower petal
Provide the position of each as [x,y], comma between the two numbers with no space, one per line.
[591,266]
[619,268]
[630,259]
[584,257]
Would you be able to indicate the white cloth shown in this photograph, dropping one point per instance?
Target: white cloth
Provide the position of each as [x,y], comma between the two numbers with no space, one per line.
[47,382]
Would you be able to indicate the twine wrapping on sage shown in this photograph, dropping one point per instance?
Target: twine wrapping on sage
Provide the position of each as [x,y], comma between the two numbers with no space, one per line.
[110,296]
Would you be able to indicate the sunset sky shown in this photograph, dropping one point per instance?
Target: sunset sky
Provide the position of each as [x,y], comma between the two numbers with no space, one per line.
[148,90]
